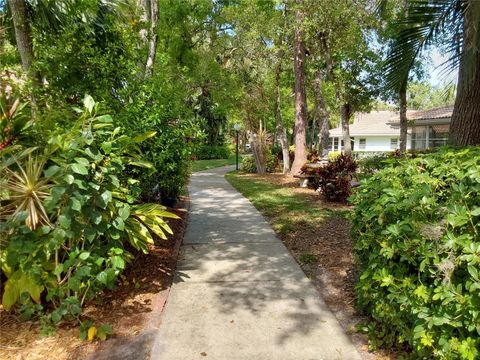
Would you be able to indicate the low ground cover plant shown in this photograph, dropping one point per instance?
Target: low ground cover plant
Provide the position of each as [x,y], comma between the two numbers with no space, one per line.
[70,219]
[416,232]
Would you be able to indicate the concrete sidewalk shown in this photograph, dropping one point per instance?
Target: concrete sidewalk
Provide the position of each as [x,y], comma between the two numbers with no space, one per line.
[238,293]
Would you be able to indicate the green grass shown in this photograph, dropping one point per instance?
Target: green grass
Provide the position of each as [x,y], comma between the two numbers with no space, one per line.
[200,165]
[287,210]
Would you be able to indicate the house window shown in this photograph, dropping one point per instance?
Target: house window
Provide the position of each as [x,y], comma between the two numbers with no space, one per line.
[362,144]
[394,143]
[429,136]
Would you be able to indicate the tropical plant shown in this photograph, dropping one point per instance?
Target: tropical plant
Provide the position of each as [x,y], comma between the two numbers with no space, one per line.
[25,189]
[454,24]
[333,179]
[71,223]
[13,120]
[416,239]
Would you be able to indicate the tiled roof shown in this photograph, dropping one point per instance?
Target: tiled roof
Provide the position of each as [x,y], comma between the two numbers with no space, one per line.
[373,123]
[387,122]
[444,112]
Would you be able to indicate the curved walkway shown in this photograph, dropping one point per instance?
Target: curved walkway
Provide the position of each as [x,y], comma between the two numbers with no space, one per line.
[238,293]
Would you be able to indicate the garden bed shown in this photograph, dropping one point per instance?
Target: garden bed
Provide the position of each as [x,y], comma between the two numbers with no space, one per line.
[127,309]
[317,233]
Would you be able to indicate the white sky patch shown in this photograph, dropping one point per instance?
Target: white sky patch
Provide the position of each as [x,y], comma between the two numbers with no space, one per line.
[437,69]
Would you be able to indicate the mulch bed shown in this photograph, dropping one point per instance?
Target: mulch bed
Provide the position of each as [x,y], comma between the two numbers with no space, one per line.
[127,308]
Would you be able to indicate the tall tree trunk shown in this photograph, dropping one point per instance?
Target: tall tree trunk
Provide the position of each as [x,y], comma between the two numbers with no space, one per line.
[403,117]
[345,114]
[465,125]
[321,114]
[148,34]
[153,39]
[300,94]
[281,131]
[22,32]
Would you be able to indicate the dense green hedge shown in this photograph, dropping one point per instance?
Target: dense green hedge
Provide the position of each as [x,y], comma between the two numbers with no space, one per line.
[208,152]
[416,237]
[248,164]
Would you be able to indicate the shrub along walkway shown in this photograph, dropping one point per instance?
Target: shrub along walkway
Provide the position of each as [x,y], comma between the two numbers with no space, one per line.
[238,293]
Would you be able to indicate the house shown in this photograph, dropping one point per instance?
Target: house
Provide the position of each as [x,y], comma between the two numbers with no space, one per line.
[380,130]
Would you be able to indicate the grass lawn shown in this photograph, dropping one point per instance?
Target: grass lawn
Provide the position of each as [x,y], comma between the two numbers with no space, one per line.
[200,165]
[287,206]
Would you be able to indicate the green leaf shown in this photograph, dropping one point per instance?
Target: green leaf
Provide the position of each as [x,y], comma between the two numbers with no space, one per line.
[104,118]
[52,171]
[144,136]
[84,255]
[69,179]
[102,277]
[104,331]
[89,103]
[76,205]
[106,197]
[64,221]
[79,169]
[10,294]
[140,163]
[107,147]
[118,262]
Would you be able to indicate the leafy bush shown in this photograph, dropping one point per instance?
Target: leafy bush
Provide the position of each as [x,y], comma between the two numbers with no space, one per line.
[69,220]
[372,164]
[248,164]
[332,155]
[170,150]
[416,229]
[207,152]
[333,179]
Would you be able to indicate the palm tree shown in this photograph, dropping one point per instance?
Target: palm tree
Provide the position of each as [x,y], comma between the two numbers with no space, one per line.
[457,24]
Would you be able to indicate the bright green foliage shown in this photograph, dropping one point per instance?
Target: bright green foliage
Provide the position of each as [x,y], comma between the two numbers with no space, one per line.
[90,220]
[416,232]
[249,166]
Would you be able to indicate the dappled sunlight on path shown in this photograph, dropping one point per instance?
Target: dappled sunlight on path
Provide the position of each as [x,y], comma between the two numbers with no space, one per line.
[238,293]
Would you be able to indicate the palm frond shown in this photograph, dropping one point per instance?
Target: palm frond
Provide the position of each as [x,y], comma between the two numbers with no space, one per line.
[426,23]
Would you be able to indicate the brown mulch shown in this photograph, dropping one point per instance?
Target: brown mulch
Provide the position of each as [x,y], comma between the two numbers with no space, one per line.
[126,308]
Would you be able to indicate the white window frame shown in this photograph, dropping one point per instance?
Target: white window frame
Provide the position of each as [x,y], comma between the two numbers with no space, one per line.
[360,145]
[392,142]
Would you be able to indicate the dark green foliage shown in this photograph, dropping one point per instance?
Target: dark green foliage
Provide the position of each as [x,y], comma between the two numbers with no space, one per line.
[208,152]
[416,237]
[176,135]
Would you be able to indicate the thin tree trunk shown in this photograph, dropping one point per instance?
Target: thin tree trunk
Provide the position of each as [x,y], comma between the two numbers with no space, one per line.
[465,125]
[300,94]
[281,131]
[22,32]
[403,117]
[148,34]
[321,114]
[153,39]
[345,114]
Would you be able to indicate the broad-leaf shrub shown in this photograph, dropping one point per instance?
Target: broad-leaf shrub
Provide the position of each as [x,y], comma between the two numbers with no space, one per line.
[333,179]
[170,150]
[416,232]
[248,164]
[83,224]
